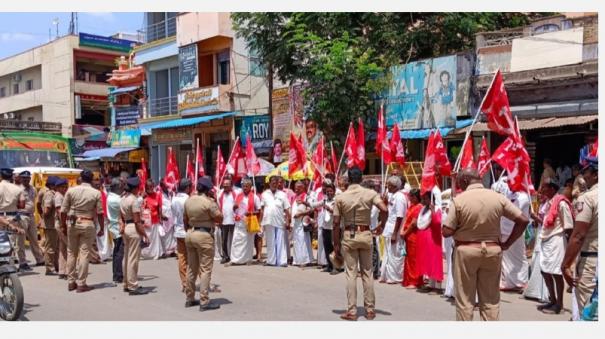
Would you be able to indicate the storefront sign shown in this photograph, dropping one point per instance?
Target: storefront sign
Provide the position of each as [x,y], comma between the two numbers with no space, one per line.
[198,101]
[126,138]
[127,115]
[422,94]
[171,135]
[188,67]
[137,154]
[257,127]
[97,41]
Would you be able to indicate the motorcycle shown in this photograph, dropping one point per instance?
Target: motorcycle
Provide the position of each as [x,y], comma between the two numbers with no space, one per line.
[11,290]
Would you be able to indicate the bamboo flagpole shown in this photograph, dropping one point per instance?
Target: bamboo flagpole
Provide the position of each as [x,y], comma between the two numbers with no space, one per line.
[197,149]
[228,161]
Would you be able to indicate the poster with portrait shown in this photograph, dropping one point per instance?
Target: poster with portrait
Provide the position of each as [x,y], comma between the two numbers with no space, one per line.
[188,75]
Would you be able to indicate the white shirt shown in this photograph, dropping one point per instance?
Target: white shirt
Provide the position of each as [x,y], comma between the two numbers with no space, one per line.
[178,207]
[113,214]
[374,217]
[563,222]
[521,200]
[436,193]
[167,206]
[397,208]
[227,200]
[243,208]
[274,208]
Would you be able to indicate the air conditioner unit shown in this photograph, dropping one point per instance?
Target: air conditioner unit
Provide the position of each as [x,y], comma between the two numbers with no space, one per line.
[17,77]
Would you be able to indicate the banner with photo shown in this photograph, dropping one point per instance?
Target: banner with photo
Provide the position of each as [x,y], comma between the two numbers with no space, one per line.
[258,127]
[188,75]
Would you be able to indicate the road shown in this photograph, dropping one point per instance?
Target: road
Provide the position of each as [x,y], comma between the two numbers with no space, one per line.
[247,293]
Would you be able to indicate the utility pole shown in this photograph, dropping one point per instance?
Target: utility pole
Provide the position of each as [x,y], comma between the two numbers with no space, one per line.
[56,23]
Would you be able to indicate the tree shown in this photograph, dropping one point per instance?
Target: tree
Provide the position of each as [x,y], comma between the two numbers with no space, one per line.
[342,58]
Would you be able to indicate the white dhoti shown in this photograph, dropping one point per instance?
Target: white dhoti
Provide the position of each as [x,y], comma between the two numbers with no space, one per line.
[242,245]
[154,250]
[515,267]
[321,253]
[391,270]
[552,252]
[104,245]
[167,238]
[536,287]
[303,252]
[218,244]
[276,240]
[448,247]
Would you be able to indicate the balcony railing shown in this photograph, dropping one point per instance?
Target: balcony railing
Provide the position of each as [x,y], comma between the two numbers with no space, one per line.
[160,30]
[38,126]
[162,106]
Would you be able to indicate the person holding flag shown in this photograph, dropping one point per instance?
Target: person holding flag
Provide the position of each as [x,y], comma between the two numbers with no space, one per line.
[247,203]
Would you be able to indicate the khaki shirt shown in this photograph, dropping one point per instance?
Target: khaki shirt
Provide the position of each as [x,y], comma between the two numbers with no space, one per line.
[355,205]
[10,195]
[587,210]
[201,211]
[83,201]
[30,198]
[40,201]
[129,206]
[58,204]
[475,214]
[49,202]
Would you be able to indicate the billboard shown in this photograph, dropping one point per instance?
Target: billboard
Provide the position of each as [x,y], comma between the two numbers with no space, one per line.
[97,41]
[422,94]
[258,127]
[125,138]
[128,115]
[188,67]
[197,101]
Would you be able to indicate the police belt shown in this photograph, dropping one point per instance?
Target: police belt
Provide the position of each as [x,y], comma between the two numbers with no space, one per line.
[203,229]
[357,228]
[9,214]
[584,254]
[476,243]
[129,221]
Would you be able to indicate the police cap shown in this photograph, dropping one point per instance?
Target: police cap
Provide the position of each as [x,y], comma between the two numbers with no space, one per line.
[60,182]
[204,183]
[25,174]
[133,182]
[6,172]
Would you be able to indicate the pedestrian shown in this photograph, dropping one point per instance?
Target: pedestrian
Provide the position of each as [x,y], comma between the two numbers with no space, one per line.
[448,248]
[429,253]
[411,277]
[473,221]
[12,198]
[316,201]
[134,235]
[178,208]
[201,214]
[83,202]
[391,271]
[51,237]
[102,246]
[353,207]
[247,204]
[226,201]
[113,224]
[28,223]
[152,210]
[548,174]
[301,230]
[556,226]
[275,223]
[60,190]
[536,287]
[167,223]
[325,219]
[40,210]
[584,240]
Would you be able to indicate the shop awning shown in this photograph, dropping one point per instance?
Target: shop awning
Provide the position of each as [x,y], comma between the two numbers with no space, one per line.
[424,133]
[105,152]
[190,121]
[541,123]
[124,90]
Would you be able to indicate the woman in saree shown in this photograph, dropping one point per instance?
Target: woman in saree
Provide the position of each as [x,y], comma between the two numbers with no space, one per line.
[411,278]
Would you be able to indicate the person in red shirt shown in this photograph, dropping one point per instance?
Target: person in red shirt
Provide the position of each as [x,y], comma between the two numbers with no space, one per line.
[151,214]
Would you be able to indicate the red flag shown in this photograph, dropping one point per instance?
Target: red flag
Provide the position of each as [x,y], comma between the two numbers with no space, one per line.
[318,163]
[351,148]
[252,163]
[199,161]
[428,170]
[595,148]
[361,145]
[513,157]
[497,109]
[233,162]
[190,171]
[484,161]
[441,160]
[220,166]
[172,171]
[467,160]
[333,162]
[381,133]
[142,175]
[296,155]
[397,152]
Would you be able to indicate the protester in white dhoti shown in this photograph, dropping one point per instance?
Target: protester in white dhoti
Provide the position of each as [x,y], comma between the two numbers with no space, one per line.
[391,270]
[448,248]
[104,245]
[177,209]
[152,211]
[536,287]
[167,223]
[275,222]
[316,201]
[246,204]
[557,223]
[226,202]
[301,227]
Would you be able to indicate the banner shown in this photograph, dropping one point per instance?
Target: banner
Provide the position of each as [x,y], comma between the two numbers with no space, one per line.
[422,94]
[198,101]
[97,41]
[282,118]
[125,138]
[257,127]
[188,77]
[127,115]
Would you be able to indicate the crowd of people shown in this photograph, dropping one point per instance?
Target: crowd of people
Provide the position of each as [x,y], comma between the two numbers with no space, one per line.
[466,244]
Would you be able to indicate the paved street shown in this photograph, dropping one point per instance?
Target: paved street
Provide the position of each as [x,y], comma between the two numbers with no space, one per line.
[248,293]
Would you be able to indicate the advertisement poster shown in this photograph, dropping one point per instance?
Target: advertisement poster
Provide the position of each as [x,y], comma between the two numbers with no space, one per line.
[422,94]
[127,115]
[125,138]
[188,77]
[198,101]
[282,119]
[114,44]
[258,128]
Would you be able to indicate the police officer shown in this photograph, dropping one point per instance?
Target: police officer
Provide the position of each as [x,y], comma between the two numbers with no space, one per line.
[11,199]
[584,240]
[28,221]
[61,262]
[132,231]
[51,240]
[474,222]
[200,215]
[83,202]
[354,206]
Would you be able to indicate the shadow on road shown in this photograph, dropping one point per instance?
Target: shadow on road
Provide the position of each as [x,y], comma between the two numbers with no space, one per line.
[222,301]
[26,309]
[103,285]
[147,277]
[28,273]
[361,311]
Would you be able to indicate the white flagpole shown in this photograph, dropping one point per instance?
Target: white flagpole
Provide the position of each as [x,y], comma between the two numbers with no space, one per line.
[187,165]
[228,161]
[343,153]
[197,149]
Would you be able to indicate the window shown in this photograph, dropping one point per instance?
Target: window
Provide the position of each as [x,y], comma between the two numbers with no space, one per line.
[206,70]
[2,92]
[30,119]
[15,89]
[223,67]
[29,85]
[256,67]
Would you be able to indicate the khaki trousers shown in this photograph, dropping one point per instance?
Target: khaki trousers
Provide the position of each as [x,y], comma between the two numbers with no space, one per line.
[477,273]
[79,241]
[51,247]
[200,258]
[586,270]
[132,254]
[31,233]
[62,255]
[181,255]
[357,252]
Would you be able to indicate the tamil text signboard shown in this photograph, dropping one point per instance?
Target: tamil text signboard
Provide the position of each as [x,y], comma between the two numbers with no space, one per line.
[188,78]
[198,101]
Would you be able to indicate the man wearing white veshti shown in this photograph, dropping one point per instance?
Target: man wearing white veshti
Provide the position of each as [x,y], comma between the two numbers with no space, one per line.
[303,252]
[247,203]
[275,222]
[391,270]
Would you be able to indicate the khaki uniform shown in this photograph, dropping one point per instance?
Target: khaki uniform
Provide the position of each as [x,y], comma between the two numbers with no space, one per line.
[84,203]
[51,240]
[199,241]
[475,216]
[10,195]
[28,225]
[62,238]
[587,210]
[132,242]
[354,207]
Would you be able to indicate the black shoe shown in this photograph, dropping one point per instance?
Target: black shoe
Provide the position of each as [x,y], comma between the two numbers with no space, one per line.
[138,291]
[24,267]
[209,306]
[63,276]
[326,270]
[40,264]
[50,273]
[191,303]
[224,261]
[334,272]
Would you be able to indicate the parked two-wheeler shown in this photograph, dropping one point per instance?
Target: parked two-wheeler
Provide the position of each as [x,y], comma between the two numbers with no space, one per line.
[11,291]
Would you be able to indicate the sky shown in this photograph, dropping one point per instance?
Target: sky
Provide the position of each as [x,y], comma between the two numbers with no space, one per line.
[22,31]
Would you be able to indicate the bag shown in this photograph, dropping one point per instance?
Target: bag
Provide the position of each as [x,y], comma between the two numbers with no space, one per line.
[252,224]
